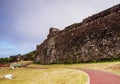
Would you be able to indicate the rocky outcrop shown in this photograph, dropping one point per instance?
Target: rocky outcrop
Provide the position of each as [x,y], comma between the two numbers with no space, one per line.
[96,38]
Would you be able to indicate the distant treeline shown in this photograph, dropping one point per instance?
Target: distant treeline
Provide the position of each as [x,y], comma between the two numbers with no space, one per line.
[4,60]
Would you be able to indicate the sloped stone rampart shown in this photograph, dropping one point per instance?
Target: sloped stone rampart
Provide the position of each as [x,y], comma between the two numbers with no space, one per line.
[96,38]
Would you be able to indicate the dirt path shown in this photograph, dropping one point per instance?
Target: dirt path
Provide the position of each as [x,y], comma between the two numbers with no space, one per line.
[27,64]
[100,77]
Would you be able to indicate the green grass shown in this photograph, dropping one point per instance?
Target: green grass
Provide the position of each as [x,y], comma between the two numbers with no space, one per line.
[44,76]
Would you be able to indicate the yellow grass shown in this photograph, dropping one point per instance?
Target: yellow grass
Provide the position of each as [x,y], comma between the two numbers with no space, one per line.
[44,76]
[112,67]
[56,73]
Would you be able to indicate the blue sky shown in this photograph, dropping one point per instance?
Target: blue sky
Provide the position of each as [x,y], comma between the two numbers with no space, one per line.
[25,23]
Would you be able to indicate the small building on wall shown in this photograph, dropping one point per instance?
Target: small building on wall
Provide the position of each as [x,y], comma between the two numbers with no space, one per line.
[16,58]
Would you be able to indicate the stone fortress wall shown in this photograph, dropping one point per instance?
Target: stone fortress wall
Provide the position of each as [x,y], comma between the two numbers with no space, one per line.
[95,38]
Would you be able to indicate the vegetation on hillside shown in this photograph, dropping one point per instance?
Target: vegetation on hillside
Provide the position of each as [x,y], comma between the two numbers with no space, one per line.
[29,56]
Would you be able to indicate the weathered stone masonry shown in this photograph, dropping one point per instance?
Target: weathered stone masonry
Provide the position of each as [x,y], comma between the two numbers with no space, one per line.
[96,38]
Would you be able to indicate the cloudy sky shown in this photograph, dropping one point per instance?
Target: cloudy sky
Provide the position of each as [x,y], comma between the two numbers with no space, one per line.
[25,23]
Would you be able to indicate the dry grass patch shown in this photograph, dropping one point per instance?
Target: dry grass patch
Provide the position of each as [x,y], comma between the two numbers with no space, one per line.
[44,76]
[112,67]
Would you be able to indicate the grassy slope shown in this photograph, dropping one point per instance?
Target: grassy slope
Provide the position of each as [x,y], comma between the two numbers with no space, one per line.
[44,76]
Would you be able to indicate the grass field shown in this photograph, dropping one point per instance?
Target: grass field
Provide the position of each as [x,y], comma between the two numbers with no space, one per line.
[44,76]
[112,67]
[56,73]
